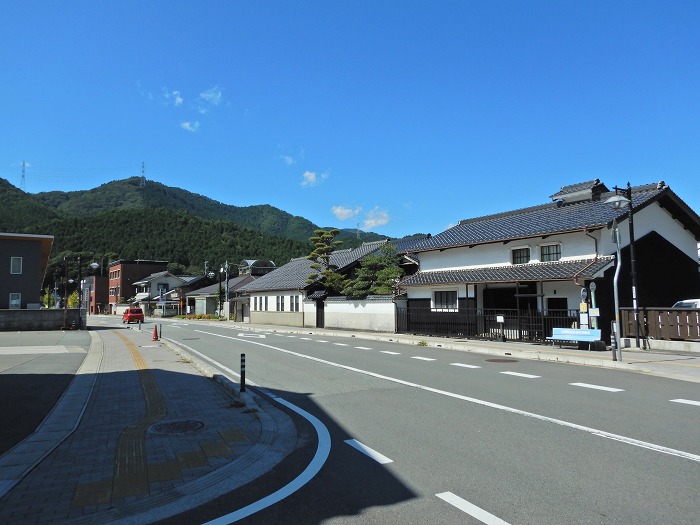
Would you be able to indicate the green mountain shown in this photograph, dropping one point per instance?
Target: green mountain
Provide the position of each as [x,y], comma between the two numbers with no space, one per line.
[125,220]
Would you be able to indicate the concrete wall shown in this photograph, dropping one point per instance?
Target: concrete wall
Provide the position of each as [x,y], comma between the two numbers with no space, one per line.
[42,319]
[278,318]
[374,314]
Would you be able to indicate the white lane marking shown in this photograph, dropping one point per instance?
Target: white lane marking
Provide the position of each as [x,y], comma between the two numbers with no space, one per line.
[305,338]
[340,344]
[362,348]
[313,468]
[422,358]
[590,430]
[686,401]
[471,509]
[321,341]
[256,336]
[390,353]
[376,456]
[597,387]
[292,336]
[519,374]
[464,366]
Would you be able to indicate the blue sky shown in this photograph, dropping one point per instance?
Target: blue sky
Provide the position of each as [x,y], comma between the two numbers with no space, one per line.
[400,117]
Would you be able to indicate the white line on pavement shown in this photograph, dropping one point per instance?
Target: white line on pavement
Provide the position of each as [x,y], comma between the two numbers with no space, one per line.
[321,341]
[520,374]
[340,344]
[465,366]
[362,348]
[686,401]
[376,456]
[422,358]
[597,387]
[590,430]
[390,353]
[471,509]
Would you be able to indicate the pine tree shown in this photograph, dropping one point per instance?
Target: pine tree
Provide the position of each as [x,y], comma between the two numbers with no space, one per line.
[324,272]
[376,275]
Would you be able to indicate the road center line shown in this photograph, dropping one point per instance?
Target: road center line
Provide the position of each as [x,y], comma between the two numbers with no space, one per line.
[471,509]
[420,358]
[464,366]
[363,348]
[390,353]
[597,387]
[596,432]
[376,456]
[520,374]
[686,401]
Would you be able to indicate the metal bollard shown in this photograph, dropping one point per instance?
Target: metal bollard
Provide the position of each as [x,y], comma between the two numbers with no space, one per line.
[242,372]
[161,332]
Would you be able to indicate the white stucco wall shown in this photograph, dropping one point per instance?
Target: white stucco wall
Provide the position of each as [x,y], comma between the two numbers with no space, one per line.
[371,315]
[573,246]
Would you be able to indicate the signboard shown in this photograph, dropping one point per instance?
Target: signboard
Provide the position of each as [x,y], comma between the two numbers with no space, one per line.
[594,312]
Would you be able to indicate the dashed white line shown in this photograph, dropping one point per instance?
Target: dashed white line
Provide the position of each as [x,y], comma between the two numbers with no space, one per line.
[464,366]
[390,353]
[362,348]
[376,456]
[422,358]
[306,339]
[471,509]
[321,341]
[597,387]
[686,401]
[520,374]
[340,344]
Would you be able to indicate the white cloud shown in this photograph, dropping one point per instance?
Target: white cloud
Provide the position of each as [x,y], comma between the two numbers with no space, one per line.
[172,97]
[190,126]
[288,159]
[376,217]
[310,178]
[343,214]
[211,97]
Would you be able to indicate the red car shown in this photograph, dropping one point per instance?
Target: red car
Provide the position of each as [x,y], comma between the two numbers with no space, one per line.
[132,315]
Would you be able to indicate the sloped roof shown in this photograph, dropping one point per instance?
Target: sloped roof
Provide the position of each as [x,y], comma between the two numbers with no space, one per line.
[549,271]
[556,217]
[293,275]
[234,284]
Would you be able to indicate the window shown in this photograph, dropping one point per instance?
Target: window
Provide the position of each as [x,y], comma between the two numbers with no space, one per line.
[265,304]
[521,255]
[294,307]
[15,301]
[15,265]
[280,303]
[255,303]
[445,300]
[550,252]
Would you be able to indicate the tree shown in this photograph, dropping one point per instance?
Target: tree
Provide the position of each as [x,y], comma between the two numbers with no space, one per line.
[376,275]
[324,272]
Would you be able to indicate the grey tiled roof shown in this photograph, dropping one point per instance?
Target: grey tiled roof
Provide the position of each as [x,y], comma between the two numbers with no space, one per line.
[559,270]
[293,275]
[546,219]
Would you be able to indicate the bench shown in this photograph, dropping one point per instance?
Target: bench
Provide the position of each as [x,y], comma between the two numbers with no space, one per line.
[585,335]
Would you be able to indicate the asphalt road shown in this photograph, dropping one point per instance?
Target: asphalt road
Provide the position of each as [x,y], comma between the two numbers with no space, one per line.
[451,437]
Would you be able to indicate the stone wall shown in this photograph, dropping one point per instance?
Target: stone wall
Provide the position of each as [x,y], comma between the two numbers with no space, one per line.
[40,319]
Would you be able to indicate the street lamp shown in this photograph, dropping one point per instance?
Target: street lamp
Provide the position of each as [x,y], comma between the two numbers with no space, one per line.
[623,197]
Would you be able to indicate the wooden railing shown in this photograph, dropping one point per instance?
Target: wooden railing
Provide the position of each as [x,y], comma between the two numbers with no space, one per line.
[679,324]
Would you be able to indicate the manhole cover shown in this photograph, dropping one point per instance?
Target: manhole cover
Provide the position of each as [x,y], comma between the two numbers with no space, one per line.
[502,360]
[177,427]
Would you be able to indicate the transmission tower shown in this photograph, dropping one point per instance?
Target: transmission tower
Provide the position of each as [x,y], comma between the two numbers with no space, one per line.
[143,174]
[23,184]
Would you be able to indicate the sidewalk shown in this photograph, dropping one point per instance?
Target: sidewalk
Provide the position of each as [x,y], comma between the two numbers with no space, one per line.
[140,433]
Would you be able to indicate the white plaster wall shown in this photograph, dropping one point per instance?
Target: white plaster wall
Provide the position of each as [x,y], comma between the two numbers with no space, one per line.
[573,246]
[652,218]
[373,316]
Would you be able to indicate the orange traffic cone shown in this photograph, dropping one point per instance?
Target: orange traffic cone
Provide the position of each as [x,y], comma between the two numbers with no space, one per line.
[155,333]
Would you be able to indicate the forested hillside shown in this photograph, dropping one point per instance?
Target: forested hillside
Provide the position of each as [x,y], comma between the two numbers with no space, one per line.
[124,220]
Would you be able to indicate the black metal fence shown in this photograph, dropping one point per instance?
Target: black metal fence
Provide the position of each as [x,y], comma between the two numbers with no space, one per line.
[493,324]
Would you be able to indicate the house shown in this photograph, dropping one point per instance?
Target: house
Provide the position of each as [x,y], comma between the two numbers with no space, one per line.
[124,273]
[24,259]
[531,269]
[207,300]
[284,297]
[158,292]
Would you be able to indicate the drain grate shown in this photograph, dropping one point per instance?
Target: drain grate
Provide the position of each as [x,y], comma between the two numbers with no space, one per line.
[177,427]
[502,360]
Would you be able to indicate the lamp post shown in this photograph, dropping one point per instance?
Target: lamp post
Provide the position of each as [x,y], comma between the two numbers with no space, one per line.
[623,197]
[616,240]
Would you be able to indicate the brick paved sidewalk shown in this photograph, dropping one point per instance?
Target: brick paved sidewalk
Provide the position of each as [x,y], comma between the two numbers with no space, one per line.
[154,431]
